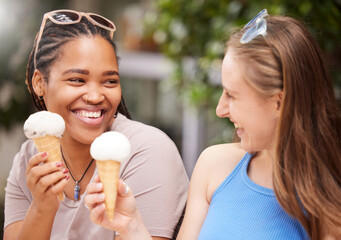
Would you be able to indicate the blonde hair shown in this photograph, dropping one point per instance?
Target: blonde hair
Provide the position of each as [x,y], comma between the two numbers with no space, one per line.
[307,165]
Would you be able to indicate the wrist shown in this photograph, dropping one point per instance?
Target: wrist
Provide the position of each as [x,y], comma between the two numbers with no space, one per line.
[135,230]
[41,211]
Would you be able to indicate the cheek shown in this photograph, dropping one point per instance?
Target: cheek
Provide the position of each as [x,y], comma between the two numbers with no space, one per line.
[114,96]
[59,96]
[238,111]
[55,98]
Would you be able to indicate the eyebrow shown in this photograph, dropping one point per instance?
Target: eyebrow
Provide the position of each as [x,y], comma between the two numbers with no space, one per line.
[81,71]
[86,72]
[108,73]
[227,89]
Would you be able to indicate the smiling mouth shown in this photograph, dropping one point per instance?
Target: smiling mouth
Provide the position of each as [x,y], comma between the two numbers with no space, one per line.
[89,114]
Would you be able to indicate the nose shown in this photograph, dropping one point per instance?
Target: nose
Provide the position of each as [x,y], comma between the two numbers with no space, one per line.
[223,108]
[93,96]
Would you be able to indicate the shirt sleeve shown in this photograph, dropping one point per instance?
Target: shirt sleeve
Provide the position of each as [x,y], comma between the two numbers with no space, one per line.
[17,195]
[158,179]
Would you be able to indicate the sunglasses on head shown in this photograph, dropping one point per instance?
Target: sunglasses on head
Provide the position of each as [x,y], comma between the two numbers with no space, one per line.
[67,17]
[257,26]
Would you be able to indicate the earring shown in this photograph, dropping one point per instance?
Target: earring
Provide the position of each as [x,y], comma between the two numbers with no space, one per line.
[115,116]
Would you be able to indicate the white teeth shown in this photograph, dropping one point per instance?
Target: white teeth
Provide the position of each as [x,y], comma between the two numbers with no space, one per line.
[87,114]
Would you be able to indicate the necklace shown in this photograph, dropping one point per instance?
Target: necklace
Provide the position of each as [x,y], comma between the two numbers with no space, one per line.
[77,188]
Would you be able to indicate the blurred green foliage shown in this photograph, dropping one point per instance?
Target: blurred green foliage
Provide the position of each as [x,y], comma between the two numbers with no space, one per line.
[197,30]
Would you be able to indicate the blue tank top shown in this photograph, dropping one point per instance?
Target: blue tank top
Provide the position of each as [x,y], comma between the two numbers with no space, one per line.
[241,209]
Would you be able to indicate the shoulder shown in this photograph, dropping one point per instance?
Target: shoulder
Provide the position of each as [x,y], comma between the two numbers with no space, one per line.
[223,155]
[150,147]
[139,133]
[27,150]
[216,163]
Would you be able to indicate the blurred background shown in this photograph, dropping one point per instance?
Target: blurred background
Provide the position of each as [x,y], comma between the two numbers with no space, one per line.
[171,53]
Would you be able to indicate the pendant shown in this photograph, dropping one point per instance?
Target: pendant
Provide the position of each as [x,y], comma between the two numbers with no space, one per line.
[76,189]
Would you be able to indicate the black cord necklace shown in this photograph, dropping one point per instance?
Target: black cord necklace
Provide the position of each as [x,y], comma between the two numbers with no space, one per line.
[77,188]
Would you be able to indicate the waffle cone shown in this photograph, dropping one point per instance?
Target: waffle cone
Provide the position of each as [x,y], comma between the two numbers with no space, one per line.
[51,145]
[109,174]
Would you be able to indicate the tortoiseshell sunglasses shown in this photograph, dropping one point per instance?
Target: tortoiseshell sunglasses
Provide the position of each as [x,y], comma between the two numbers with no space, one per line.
[66,17]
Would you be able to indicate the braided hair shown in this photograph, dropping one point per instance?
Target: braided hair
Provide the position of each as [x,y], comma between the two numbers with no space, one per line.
[53,38]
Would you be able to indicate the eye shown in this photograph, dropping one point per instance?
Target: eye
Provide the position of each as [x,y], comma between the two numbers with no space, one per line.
[228,94]
[76,81]
[111,83]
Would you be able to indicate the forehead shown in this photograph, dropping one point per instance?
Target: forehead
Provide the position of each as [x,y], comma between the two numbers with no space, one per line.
[88,45]
[87,52]
[232,77]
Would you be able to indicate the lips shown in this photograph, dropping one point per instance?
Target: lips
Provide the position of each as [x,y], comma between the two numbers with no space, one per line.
[239,129]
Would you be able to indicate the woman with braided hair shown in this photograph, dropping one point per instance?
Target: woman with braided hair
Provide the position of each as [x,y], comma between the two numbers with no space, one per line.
[73,71]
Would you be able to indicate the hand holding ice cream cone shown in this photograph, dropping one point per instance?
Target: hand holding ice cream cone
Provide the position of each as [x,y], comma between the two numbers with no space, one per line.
[109,150]
[46,129]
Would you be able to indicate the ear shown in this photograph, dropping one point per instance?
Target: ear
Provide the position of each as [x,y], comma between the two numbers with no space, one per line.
[38,83]
[278,99]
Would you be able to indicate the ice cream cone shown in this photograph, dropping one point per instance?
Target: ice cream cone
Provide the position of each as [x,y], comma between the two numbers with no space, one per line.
[109,150]
[109,174]
[51,145]
[46,129]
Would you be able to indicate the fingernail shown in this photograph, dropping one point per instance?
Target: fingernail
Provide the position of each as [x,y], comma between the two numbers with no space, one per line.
[67,177]
[99,186]
[65,170]
[44,155]
[126,189]
[59,164]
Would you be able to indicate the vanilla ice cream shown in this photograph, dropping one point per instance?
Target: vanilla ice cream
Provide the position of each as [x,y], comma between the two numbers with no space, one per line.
[46,129]
[109,150]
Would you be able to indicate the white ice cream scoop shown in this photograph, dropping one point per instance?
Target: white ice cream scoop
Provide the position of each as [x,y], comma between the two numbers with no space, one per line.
[44,123]
[110,146]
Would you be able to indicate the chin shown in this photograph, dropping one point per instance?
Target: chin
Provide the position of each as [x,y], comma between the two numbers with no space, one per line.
[249,147]
[88,137]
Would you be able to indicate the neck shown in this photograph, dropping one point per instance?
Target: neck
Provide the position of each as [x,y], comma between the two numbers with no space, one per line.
[76,154]
[260,169]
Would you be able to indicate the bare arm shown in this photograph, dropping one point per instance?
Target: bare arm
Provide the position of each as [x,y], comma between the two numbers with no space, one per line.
[213,166]
[45,182]
[35,226]
[197,202]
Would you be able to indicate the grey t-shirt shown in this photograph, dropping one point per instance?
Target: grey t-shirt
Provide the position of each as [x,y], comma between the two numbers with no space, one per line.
[154,172]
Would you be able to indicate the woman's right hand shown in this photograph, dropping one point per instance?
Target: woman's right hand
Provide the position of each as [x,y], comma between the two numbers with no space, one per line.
[127,220]
[45,182]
